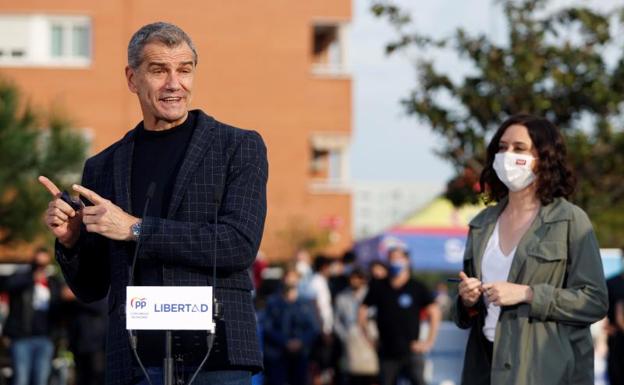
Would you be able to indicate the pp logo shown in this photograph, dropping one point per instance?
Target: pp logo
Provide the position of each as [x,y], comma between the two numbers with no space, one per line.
[138,303]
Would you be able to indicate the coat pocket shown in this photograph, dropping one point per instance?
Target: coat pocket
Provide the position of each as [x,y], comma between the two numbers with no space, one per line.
[549,251]
[547,263]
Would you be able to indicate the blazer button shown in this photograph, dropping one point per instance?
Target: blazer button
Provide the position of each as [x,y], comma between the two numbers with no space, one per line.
[507,365]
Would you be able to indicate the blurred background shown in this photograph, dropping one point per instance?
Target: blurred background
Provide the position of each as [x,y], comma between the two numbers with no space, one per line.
[376,115]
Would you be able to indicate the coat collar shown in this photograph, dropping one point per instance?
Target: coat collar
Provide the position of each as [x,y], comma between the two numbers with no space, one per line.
[483,225]
[554,212]
[203,135]
[122,163]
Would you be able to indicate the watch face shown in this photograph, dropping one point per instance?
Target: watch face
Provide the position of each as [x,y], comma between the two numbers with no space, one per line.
[136,229]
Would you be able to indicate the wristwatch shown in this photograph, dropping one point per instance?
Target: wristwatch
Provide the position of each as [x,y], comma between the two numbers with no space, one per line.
[136,230]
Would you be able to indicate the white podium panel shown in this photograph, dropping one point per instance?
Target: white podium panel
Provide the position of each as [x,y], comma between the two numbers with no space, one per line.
[169,308]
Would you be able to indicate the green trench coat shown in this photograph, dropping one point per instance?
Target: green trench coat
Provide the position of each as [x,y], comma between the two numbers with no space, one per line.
[547,342]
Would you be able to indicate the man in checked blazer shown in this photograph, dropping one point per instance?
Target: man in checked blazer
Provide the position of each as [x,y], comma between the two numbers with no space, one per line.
[200,167]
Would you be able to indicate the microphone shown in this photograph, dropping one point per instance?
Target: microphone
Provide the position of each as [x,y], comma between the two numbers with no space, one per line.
[148,198]
[133,338]
[218,196]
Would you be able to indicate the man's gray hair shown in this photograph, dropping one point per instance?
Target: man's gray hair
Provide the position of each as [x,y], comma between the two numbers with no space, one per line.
[165,33]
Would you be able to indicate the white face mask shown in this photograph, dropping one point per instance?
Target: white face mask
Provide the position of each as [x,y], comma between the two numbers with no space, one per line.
[514,170]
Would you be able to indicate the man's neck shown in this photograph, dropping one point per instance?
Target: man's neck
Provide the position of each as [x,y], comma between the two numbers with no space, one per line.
[156,124]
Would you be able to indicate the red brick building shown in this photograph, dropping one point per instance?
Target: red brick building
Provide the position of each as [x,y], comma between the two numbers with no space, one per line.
[275,66]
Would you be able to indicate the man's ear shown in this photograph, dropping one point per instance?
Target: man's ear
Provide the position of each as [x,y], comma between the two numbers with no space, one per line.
[130,79]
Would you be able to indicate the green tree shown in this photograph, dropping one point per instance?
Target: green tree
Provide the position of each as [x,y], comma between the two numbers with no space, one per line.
[26,151]
[554,64]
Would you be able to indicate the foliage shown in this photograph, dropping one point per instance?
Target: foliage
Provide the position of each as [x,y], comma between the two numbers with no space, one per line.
[27,151]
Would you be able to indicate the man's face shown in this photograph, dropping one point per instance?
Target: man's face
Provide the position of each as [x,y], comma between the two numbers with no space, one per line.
[164,83]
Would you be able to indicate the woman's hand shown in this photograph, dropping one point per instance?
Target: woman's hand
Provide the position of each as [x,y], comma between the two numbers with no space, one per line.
[469,290]
[507,293]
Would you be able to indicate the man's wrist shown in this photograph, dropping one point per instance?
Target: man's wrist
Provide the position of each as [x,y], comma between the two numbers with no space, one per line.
[70,242]
[135,229]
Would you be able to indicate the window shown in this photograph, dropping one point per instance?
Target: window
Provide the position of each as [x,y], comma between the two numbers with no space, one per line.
[69,39]
[329,49]
[80,38]
[57,41]
[329,160]
[45,40]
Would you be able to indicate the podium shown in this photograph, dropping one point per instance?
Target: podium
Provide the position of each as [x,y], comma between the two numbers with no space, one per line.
[170,308]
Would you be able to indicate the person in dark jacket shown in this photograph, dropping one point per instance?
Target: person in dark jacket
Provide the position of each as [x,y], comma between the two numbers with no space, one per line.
[615,328]
[207,210]
[290,326]
[33,300]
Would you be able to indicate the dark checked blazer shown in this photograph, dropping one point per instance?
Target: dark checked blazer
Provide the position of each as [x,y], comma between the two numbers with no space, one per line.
[217,155]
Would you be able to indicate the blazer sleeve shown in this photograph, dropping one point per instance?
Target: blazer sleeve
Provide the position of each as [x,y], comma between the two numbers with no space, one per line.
[240,221]
[583,299]
[86,266]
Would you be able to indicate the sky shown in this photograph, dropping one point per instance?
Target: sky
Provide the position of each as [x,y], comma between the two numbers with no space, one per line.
[388,145]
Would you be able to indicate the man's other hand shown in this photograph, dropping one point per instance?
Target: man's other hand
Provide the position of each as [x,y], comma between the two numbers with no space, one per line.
[104,217]
[62,220]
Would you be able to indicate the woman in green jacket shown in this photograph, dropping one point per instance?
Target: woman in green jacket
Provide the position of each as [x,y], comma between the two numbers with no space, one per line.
[533,281]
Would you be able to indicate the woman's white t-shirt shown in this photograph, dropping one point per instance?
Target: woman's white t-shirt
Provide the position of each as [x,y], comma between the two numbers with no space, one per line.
[495,267]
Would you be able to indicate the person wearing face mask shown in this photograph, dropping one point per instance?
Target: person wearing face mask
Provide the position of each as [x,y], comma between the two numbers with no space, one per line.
[290,327]
[532,281]
[399,301]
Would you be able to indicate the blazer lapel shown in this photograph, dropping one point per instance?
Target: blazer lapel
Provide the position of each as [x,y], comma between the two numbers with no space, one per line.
[203,135]
[122,165]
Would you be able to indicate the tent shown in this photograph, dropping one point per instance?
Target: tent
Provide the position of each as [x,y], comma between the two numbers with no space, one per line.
[435,237]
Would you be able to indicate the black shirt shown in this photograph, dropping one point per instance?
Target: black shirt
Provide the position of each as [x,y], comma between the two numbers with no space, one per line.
[398,315]
[157,157]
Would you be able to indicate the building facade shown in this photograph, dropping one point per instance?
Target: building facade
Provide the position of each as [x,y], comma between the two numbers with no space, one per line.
[275,66]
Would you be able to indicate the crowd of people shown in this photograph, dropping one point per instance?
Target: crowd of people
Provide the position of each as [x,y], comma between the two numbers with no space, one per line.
[333,322]
[328,321]
[44,323]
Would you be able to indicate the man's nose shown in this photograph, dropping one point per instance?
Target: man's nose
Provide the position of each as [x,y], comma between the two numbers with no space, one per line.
[173,83]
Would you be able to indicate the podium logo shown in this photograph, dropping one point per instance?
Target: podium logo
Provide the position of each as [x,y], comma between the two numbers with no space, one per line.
[138,303]
[181,308]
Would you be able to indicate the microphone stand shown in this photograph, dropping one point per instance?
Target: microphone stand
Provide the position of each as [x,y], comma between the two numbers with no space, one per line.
[131,335]
[216,309]
[168,361]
